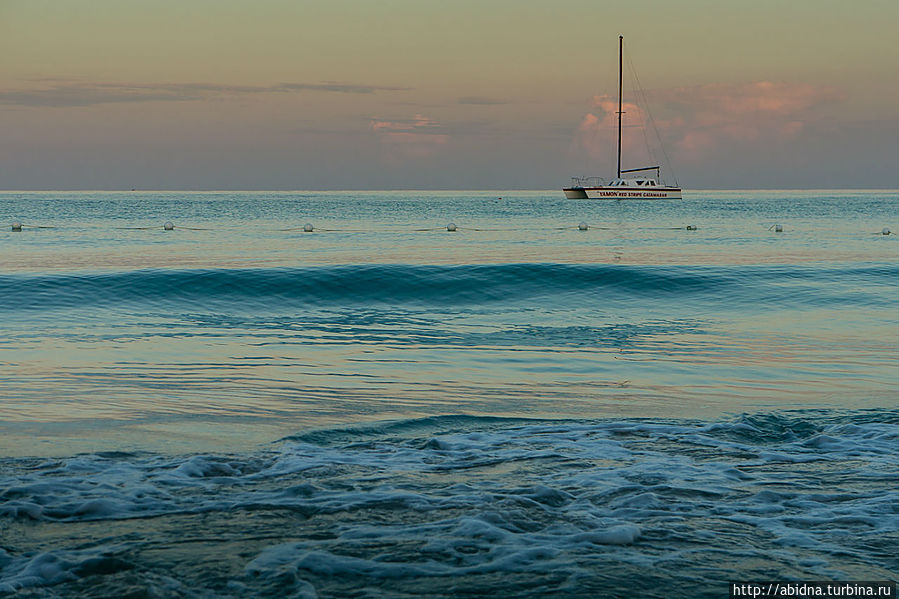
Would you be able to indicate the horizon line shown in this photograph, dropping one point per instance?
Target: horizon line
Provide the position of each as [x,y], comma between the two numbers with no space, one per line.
[417,190]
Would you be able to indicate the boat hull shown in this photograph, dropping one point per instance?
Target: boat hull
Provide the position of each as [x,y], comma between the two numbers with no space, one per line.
[575,193]
[619,193]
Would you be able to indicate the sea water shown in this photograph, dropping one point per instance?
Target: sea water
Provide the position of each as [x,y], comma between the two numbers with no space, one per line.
[384,408]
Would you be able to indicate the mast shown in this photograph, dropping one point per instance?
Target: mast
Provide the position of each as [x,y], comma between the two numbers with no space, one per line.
[620,51]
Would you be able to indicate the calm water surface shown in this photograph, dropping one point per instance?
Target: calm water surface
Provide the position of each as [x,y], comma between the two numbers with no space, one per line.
[382,407]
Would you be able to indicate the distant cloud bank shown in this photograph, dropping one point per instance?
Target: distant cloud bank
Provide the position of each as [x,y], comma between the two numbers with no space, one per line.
[417,137]
[66,93]
[480,101]
[699,120]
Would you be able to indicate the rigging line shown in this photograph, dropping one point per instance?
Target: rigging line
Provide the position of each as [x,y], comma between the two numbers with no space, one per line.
[612,150]
[639,92]
[642,103]
[652,121]
[655,129]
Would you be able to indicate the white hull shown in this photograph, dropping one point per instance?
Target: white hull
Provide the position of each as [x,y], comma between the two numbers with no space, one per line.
[619,193]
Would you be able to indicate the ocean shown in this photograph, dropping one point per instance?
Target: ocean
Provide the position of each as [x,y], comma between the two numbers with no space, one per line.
[687,394]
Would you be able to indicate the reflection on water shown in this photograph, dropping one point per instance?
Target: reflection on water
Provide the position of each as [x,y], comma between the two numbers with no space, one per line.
[243,323]
[382,408]
[214,230]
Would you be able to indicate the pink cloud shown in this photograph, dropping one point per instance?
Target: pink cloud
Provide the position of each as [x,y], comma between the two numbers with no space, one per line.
[597,133]
[418,137]
[761,113]
[758,97]
[698,121]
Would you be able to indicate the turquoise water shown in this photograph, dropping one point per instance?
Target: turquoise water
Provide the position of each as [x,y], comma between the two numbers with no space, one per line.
[381,407]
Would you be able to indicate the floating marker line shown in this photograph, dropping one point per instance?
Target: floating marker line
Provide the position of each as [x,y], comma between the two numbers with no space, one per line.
[164,227]
[685,228]
[575,228]
[314,229]
[17,226]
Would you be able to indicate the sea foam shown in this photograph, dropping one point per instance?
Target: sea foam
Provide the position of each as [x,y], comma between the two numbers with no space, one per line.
[466,498]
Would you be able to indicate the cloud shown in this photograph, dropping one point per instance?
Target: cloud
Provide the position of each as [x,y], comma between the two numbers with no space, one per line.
[343,88]
[480,101]
[701,120]
[597,132]
[757,114]
[413,138]
[68,93]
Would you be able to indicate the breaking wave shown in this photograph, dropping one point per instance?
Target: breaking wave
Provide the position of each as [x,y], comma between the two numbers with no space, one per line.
[448,285]
[467,506]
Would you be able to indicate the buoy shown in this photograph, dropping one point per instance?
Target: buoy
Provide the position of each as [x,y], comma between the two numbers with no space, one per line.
[582,226]
[168,226]
[886,231]
[451,227]
[308,228]
[17,226]
[691,227]
[778,228]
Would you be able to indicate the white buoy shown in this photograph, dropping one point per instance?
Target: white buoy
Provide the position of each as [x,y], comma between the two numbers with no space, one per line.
[691,227]
[582,226]
[308,228]
[778,228]
[886,231]
[17,226]
[451,227]
[168,226]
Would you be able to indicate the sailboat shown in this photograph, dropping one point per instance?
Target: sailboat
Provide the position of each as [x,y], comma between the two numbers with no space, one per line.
[640,182]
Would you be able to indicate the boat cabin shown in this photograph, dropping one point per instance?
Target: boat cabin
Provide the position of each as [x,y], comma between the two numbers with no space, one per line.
[634,182]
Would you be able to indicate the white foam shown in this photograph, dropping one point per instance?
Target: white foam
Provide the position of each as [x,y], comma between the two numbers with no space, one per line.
[624,534]
[503,499]
[45,568]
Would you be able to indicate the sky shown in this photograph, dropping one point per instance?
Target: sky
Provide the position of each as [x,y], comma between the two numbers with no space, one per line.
[421,94]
